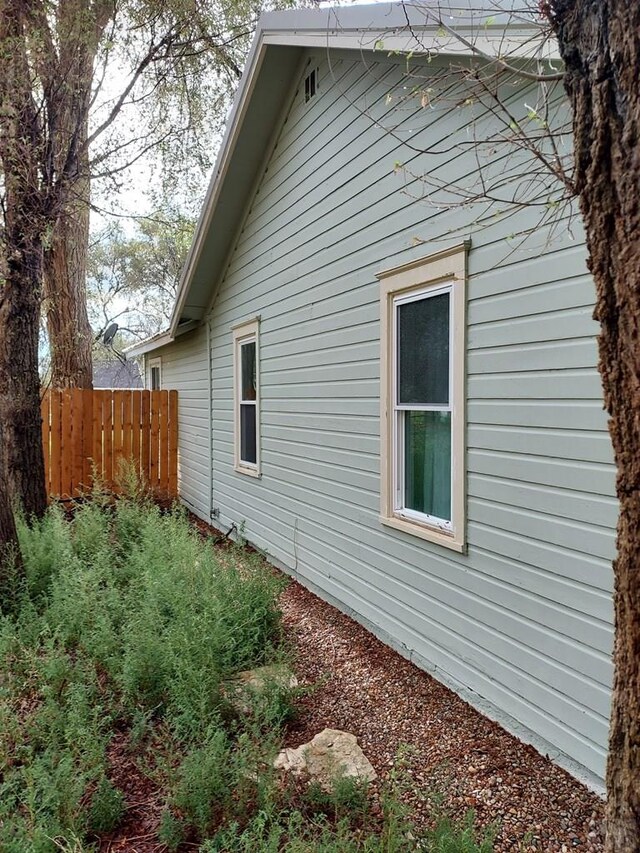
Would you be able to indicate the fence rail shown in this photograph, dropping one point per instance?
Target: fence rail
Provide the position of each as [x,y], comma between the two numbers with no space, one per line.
[86,431]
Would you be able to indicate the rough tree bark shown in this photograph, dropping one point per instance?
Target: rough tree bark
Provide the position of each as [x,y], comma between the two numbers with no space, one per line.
[11,566]
[19,379]
[21,286]
[79,27]
[65,273]
[600,45]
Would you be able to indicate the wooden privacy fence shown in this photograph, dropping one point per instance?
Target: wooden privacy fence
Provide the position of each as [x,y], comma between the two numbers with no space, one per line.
[85,431]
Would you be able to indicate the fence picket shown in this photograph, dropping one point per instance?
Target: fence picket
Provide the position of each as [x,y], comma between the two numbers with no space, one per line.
[107,432]
[163,466]
[117,432]
[87,437]
[55,460]
[136,399]
[66,444]
[97,398]
[145,436]
[77,442]
[154,438]
[126,426]
[46,437]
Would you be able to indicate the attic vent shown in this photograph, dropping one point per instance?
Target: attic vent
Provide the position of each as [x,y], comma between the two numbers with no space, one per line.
[310,85]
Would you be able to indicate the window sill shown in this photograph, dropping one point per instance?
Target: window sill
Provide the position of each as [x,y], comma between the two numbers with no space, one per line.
[248,472]
[447,540]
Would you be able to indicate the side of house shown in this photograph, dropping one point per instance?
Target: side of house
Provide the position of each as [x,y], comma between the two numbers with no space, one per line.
[517,618]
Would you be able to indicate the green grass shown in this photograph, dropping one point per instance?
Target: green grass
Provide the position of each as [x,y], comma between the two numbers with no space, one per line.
[130,622]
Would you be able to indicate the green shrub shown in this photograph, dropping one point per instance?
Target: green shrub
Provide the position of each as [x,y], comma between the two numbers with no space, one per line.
[171,831]
[107,807]
[205,783]
[451,837]
[46,546]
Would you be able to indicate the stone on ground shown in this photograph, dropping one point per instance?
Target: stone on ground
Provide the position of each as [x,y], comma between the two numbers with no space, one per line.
[330,754]
[258,681]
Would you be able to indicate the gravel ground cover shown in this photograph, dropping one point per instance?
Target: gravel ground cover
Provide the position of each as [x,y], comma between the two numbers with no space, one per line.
[455,752]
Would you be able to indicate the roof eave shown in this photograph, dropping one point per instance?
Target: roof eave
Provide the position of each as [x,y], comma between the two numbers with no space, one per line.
[159,340]
[383,27]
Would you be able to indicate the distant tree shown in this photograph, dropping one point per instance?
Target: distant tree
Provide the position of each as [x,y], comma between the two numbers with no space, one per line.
[133,280]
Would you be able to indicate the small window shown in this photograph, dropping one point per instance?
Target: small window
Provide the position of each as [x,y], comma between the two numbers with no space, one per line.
[310,85]
[155,374]
[422,322]
[246,398]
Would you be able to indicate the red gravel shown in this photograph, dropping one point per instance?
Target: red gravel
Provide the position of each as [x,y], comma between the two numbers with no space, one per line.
[386,701]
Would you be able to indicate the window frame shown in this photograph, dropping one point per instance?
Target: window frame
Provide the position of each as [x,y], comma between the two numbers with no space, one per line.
[153,363]
[444,271]
[245,333]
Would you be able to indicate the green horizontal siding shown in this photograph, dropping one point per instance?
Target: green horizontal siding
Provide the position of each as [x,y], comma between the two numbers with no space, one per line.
[523,620]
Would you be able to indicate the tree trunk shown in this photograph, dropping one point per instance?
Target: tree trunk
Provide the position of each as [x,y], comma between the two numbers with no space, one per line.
[11,567]
[21,285]
[65,273]
[19,380]
[65,258]
[600,44]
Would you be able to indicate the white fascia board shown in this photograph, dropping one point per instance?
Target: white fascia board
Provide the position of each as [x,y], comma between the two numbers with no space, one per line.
[160,340]
[234,124]
[382,42]
[150,344]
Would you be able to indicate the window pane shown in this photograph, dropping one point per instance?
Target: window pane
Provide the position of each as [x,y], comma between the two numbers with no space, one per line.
[423,351]
[427,464]
[248,362]
[248,433]
[155,378]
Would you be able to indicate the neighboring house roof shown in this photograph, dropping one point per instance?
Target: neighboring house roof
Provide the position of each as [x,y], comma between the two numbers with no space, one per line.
[454,28]
[115,374]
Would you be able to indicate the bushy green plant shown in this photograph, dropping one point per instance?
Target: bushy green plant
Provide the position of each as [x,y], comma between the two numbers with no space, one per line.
[107,807]
[45,545]
[205,784]
[171,831]
[348,799]
[449,836]
[126,614]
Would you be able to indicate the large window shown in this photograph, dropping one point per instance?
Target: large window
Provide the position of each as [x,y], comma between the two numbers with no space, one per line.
[246,398]
[422,318]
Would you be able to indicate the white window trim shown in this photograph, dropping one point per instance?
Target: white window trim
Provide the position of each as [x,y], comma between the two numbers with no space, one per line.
[445,270]
[155,362]
[244,333]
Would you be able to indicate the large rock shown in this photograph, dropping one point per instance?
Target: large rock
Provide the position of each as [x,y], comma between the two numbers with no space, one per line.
[328,755]
[257,681]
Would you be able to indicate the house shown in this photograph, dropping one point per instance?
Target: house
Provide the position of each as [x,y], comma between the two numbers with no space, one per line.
[116,374]
[397,402]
